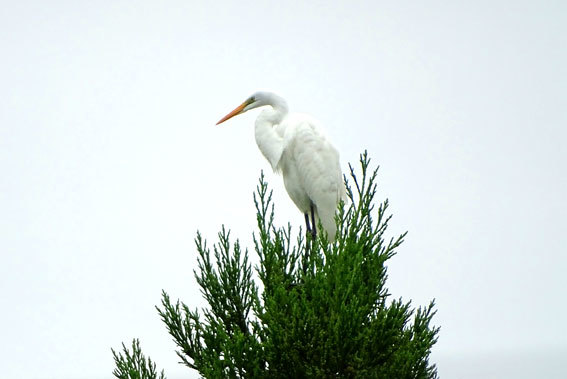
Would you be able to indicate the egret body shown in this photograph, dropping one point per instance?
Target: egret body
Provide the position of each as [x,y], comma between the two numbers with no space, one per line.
[296,147]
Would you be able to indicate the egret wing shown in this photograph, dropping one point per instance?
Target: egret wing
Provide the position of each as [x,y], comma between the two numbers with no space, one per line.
[317,168]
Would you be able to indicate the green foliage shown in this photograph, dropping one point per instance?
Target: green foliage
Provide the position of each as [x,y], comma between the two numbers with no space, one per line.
[327,313]
[134,365]
[221,343]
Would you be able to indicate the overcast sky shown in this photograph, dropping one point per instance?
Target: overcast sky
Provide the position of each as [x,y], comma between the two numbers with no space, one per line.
[110,161]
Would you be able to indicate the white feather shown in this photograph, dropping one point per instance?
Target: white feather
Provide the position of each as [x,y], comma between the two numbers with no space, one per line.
[296,146]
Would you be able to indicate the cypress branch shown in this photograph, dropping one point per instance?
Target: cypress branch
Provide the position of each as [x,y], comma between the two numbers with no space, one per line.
[323,314]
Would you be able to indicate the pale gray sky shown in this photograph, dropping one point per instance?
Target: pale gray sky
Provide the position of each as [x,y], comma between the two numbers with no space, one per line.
[110,162]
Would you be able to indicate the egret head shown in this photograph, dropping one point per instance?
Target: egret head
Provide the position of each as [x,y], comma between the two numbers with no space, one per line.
[258,99]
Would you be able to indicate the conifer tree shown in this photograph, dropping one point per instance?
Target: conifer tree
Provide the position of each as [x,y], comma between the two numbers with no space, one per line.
[309,309]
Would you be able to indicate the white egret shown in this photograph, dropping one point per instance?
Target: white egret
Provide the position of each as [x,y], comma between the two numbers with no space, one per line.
[295,146]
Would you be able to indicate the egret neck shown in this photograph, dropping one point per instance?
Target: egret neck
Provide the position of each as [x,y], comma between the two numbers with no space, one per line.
[269,139]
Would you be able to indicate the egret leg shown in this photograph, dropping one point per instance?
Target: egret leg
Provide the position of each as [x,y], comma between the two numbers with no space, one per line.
[307,227]
[313,223]
[307,241]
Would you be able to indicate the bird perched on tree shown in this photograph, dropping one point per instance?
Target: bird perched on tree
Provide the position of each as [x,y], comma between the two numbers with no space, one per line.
[296,146]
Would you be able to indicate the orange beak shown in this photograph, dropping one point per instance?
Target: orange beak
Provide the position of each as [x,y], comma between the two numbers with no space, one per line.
[235,112]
